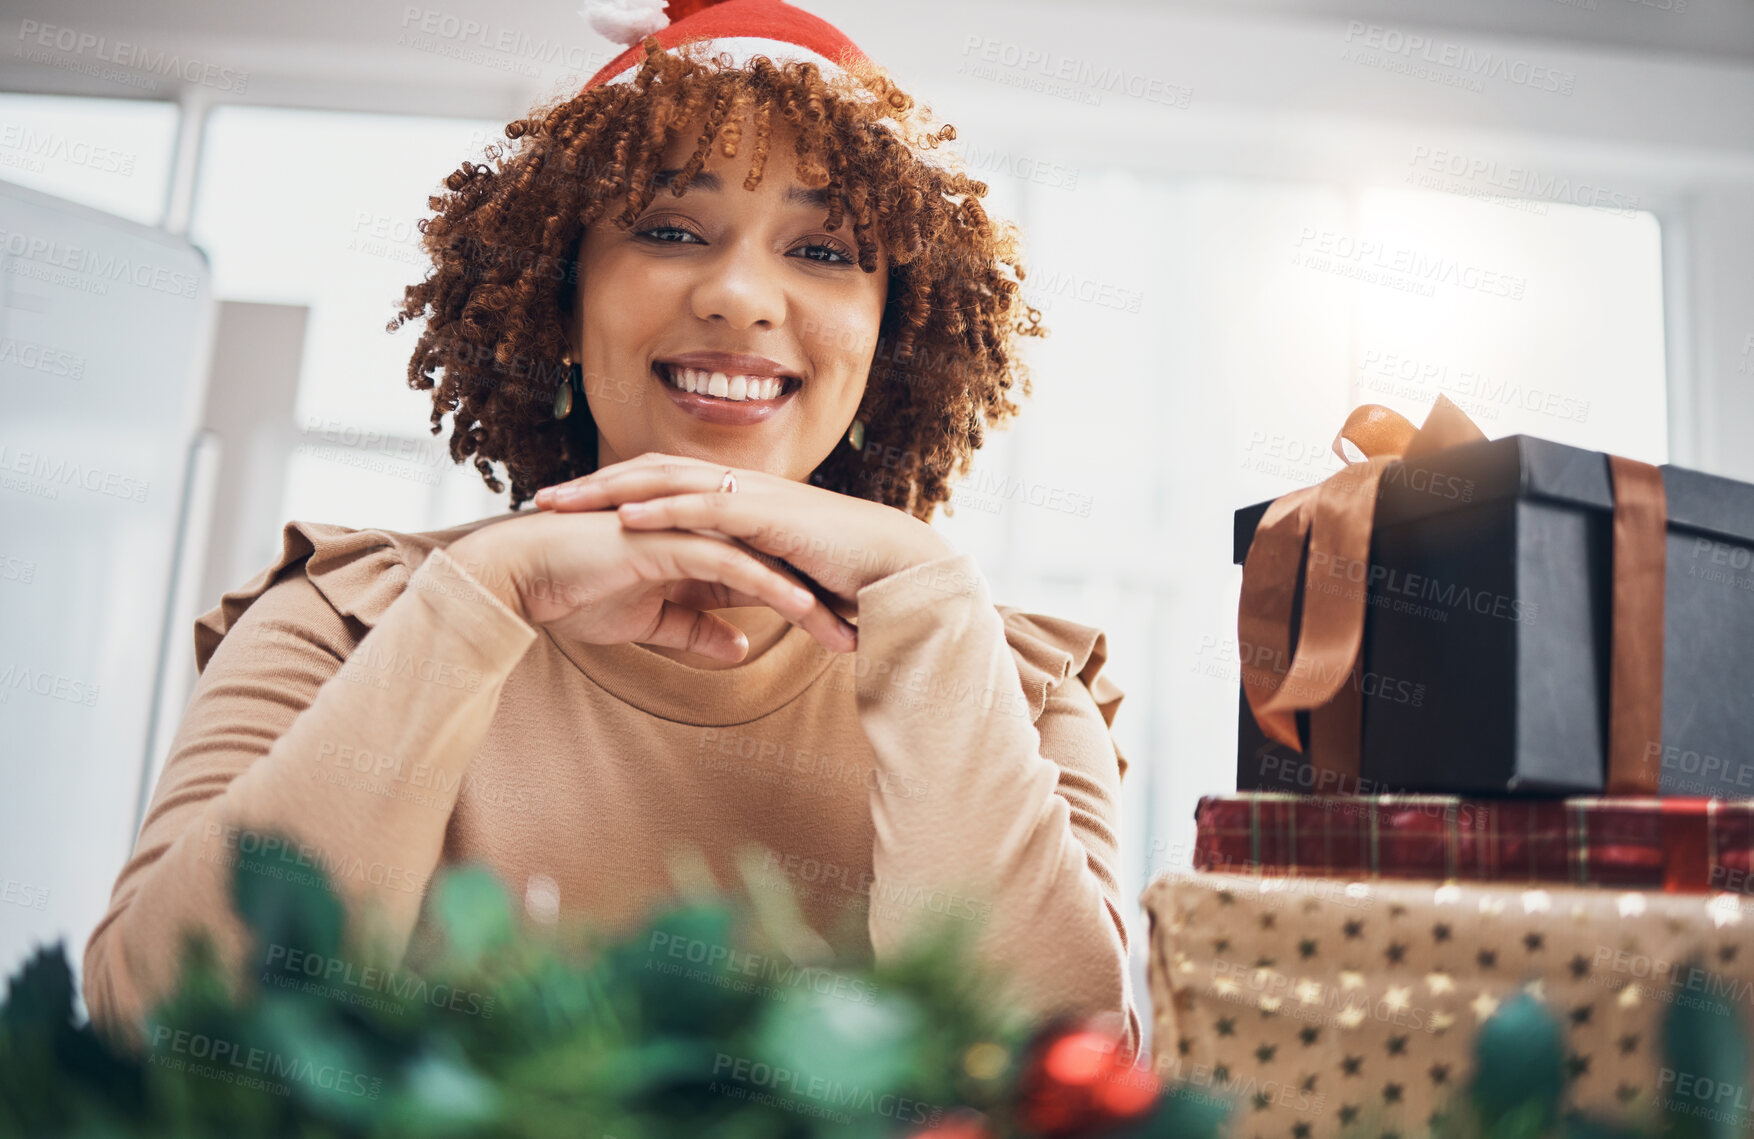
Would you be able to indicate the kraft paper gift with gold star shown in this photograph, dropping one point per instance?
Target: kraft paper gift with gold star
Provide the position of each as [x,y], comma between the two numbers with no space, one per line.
[1326,1007]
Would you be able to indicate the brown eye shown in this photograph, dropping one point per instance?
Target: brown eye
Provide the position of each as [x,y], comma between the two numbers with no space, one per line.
[845,257]
[667,229]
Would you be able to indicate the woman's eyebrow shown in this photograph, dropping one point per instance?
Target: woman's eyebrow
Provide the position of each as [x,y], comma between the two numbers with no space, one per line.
[707,180]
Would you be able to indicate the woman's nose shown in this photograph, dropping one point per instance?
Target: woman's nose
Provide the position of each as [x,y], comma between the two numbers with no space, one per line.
[741,285]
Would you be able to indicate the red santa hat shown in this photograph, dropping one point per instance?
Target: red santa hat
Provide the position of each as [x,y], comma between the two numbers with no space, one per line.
[741,29]
[744,28]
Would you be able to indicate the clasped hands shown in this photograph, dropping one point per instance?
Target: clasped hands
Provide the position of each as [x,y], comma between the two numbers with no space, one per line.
[836,543]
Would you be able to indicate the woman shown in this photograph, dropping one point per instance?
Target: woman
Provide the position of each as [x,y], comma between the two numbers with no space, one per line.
[752,423]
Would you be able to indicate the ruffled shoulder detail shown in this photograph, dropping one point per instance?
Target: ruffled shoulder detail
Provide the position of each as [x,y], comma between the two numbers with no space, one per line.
[359,573]
[1048,650]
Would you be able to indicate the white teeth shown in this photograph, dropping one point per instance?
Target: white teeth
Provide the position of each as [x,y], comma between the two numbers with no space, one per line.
[734,388]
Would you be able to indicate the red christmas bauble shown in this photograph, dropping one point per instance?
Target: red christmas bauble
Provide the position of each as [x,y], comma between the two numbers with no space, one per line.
[1079,1083]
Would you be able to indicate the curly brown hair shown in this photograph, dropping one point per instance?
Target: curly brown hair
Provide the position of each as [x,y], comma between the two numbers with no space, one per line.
[505,244]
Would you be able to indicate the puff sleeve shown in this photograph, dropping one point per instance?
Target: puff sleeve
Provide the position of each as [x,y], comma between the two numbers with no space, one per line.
[352,643]
[1006,717]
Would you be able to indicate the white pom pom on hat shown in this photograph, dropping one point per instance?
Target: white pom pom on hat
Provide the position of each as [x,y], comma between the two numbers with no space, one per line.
[625,21]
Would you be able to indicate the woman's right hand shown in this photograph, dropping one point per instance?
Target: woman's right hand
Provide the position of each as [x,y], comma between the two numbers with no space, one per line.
[588,578]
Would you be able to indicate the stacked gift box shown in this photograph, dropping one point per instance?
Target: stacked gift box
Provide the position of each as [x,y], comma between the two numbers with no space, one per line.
[1496,744]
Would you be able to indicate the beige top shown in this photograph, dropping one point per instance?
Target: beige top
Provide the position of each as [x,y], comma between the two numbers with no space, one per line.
[959,764]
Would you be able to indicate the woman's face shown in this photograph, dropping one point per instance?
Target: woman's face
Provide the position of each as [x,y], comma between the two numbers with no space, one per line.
[725,272]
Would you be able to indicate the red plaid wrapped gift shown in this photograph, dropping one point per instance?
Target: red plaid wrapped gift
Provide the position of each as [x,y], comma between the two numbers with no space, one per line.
[1675,844]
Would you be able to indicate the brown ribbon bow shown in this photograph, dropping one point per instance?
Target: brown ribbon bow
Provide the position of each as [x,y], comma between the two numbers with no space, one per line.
[1335,517]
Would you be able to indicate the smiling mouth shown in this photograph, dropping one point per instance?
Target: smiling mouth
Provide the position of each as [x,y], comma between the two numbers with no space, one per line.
[726,387]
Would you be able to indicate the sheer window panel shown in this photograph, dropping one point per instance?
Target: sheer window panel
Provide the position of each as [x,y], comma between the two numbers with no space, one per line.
[1079,483]
[1135,414]
[368,480]
[321,208]
[1175,324]
[360,487]
[971,523]
[1262,350]
[111,154]
[1029,506]
[1577,357]
[1262,325]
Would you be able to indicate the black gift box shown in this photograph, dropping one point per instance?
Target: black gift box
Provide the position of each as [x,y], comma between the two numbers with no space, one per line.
[1486,636]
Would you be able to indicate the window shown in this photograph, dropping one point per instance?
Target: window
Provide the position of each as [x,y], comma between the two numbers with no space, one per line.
[112,154]
[1209,335]
[320,209]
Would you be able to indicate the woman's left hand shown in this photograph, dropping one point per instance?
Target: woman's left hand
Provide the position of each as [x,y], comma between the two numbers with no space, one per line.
[841,542]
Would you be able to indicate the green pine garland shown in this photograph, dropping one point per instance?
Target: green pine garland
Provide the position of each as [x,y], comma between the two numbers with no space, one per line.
[678,1031]
[681,1030]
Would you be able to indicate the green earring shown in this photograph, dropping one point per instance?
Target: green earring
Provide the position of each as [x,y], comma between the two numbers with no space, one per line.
[856,435]
[573,386]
